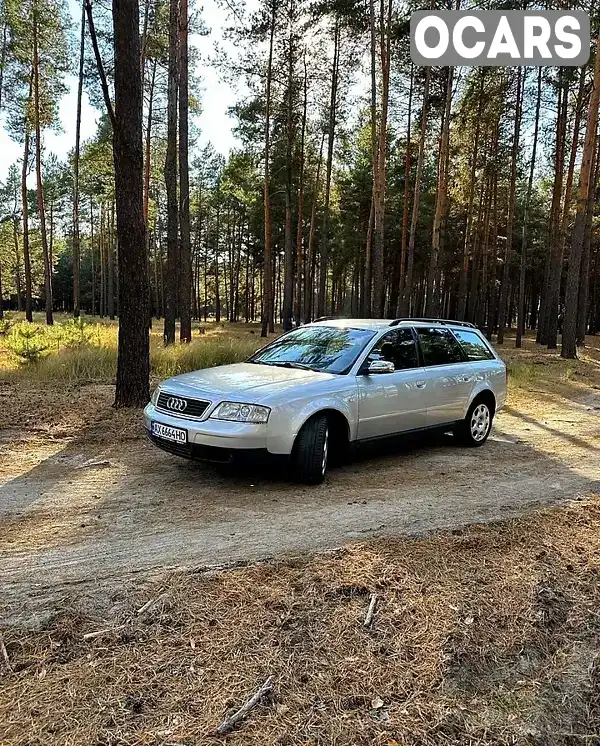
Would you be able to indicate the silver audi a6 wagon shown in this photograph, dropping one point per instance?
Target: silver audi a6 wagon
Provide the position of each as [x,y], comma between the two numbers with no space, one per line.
[323,387]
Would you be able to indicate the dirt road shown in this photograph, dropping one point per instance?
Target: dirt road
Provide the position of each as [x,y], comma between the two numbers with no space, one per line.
[84,498]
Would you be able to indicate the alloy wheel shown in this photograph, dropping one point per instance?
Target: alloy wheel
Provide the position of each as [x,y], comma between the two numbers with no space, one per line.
[480,422]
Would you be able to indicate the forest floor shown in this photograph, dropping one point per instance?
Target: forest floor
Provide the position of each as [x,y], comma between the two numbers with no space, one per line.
[482,633]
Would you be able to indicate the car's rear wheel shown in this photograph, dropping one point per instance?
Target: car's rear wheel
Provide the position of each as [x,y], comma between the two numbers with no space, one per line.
[474,430]
[311,451]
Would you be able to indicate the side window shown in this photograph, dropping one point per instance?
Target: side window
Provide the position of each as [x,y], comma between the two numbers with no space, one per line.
[473,345]
[397,347]
[439,347]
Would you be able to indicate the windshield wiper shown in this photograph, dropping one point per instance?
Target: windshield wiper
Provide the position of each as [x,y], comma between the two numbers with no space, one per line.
[290,364]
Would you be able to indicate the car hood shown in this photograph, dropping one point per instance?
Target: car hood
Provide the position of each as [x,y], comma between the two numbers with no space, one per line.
[228,380]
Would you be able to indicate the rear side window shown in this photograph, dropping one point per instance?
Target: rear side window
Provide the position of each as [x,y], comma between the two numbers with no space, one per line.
[474,347]
[439,347]
[397,347]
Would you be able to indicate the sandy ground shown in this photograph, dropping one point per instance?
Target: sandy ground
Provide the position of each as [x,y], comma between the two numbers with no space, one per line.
[84,498]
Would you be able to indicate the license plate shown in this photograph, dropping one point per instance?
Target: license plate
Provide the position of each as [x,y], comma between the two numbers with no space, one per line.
[167,432]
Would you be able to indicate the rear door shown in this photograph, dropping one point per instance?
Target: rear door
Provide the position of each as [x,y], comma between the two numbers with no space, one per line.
[449,378]
[392,402]
[485,365]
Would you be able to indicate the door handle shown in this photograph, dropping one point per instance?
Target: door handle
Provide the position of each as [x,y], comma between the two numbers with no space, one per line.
[421,384]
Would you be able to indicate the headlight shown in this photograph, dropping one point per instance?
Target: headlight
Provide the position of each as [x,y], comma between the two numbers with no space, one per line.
[229,410]
[155,393]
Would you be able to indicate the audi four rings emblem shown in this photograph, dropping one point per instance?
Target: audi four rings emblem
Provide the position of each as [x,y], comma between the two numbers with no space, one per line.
[177,404]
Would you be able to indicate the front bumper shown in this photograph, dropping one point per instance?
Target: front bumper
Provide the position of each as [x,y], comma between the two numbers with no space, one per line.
[208,436]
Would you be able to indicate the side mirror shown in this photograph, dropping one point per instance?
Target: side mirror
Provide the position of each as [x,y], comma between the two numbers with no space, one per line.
[380,366]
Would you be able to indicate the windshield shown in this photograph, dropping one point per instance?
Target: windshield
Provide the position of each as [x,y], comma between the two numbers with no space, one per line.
[322,348]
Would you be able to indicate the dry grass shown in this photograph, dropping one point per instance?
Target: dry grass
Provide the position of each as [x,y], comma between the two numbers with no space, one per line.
[537,369]
[487,636]
[96,360]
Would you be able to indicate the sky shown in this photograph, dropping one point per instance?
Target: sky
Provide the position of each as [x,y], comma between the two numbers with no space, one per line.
[214,123]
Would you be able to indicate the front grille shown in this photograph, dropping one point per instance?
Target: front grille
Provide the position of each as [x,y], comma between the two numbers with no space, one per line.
[194,450]
[193,408]
[177,449]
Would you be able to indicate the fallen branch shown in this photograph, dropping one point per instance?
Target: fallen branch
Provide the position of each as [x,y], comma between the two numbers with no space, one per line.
[229,723]
[150,604]
[4,653]
[369,617]
[102,632]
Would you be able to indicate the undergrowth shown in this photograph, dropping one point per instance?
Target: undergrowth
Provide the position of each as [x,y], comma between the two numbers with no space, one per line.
[77,351]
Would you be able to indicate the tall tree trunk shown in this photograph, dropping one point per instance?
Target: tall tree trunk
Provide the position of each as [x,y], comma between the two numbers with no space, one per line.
[505,281]
[133,362]
[205,273]
[549,320]
[431,306]
[110,266]
[523,269]
[299,232]
[217,248]
[173,263]
[378,292]
[101,240]
[584,281]
[267,322]
[408,284]
[93,270]
[76,236]
[185,285]
[17,265]
[309,287]
[38,167]
[569,338]
[25,208]
[148,146]
[324,252]
[147,162]
[570,174]
[51,236]
[288,295]
[400,267]
[368,270]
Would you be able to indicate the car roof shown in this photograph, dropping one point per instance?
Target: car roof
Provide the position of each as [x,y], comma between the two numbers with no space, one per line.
[379,324]
[374,324]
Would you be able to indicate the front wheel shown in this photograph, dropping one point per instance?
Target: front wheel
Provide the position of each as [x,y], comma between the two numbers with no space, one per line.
[475,428]
[311,451]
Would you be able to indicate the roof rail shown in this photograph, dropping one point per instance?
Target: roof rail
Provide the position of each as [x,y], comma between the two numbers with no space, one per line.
[326,318]
[447,322]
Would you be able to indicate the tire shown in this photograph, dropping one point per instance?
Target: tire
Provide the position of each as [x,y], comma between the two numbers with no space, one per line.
[475,429]
[311,451]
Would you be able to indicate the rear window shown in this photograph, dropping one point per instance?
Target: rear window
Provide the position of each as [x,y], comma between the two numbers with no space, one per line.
[439,347]
[475,348]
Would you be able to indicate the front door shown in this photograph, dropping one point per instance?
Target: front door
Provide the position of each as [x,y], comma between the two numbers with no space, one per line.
[392,402]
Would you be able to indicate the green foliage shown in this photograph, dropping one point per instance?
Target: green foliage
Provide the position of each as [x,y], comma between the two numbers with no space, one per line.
[77,333]
[27,344]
